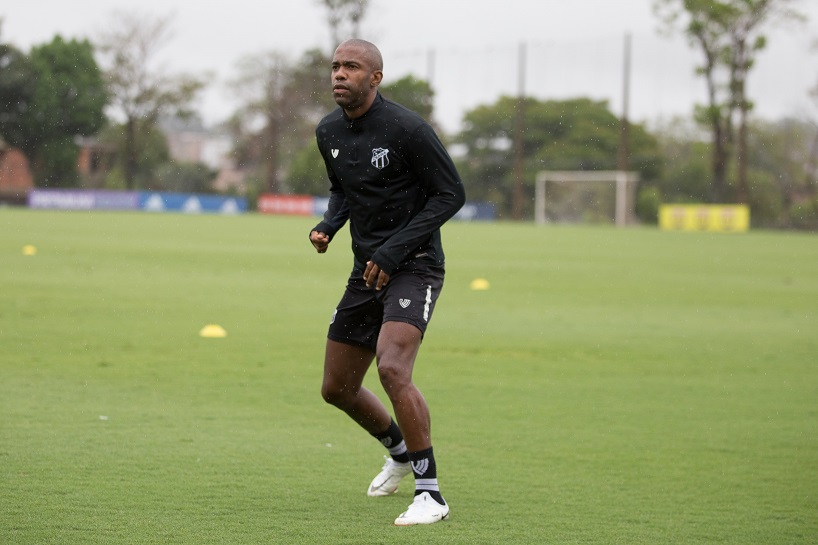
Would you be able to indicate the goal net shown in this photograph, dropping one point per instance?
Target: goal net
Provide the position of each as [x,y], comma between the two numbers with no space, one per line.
[576,196]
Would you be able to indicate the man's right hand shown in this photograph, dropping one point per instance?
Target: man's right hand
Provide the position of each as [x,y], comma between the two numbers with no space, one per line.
[320,241]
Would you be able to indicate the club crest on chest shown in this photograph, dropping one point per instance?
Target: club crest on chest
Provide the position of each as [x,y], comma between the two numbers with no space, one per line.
[380,158]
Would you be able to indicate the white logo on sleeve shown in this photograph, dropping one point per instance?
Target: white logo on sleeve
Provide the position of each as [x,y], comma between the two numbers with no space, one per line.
[404,302]
[334,153]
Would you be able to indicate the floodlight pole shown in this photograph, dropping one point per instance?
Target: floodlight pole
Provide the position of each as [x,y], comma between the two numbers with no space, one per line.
[623,159]
[519,128]
[430,66]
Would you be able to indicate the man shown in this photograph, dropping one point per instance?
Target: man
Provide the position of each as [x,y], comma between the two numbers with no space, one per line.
[391,177]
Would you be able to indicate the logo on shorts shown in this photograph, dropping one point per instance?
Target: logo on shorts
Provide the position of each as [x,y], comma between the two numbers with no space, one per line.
[404,302]
[380,158]
[334,153]
[332,320]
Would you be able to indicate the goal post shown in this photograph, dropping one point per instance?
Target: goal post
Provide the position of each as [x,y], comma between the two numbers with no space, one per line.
[625,190]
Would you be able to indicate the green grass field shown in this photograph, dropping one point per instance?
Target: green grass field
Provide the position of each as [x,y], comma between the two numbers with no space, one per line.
[613,386]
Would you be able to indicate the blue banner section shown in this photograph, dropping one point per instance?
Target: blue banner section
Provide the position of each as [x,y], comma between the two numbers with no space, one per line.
[190,203]
[320,205]
[136,200]
[476,211]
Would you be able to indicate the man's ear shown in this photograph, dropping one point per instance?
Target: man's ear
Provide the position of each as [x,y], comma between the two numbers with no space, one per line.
[376,78]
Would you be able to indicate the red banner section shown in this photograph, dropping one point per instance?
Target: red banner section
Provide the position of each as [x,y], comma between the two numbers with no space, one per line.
[293,205]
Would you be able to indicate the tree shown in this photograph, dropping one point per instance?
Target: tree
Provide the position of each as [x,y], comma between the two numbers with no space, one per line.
[782,191]
[576,134]
[140,91]
[307,173]
[153,153]
[49,98]
[17,88]
[416,94]
[685,176]
[344,18]
[185,178]
[285,100]
[729,35]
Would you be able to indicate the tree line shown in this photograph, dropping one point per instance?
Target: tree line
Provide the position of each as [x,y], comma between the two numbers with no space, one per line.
[113,91]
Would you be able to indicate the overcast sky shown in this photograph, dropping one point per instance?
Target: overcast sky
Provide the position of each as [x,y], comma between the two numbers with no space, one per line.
[469,49]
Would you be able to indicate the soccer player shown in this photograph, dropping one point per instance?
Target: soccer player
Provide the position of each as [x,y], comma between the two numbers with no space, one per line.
[393,180]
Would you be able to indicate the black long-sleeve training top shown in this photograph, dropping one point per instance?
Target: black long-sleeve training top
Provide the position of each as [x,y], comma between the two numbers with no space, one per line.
[391,177]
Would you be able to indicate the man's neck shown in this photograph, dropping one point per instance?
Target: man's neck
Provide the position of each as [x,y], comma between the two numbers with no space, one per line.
[355,113]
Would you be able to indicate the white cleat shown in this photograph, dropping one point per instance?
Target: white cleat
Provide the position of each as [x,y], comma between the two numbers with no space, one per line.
[386,482]
[424,510]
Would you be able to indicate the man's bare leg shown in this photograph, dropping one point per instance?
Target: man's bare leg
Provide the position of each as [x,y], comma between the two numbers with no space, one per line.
[345,366]
[398,345]
[344,369]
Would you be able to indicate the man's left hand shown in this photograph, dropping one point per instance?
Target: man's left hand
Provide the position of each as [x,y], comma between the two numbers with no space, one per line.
[374,275]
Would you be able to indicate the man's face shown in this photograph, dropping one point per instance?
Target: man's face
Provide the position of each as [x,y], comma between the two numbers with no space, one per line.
[353,78]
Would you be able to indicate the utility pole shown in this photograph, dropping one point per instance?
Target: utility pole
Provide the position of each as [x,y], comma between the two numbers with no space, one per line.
[430,66]
[625,191]
[623,158]
[518,193]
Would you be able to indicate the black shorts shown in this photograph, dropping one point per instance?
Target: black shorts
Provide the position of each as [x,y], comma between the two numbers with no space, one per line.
[409,296]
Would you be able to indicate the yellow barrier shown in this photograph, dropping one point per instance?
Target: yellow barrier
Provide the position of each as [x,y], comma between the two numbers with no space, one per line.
[732,218]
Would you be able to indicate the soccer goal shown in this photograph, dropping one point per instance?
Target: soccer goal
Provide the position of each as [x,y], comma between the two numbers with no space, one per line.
[624,211]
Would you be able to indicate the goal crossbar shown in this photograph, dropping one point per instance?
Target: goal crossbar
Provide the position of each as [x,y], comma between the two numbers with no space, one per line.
[621,177]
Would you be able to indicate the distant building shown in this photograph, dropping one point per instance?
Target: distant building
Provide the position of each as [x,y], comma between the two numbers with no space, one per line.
[94,160]
[15,175]
[190,142]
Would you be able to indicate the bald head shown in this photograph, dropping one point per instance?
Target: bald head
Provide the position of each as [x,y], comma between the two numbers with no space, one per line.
[369,51]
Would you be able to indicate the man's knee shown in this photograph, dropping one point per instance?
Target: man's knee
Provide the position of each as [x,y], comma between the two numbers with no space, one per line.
[344,368]
[394,376]
[396,356]
[336,395]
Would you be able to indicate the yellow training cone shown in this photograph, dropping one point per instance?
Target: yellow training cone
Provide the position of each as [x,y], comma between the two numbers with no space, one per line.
[479,284]
[28,249]
[213,331]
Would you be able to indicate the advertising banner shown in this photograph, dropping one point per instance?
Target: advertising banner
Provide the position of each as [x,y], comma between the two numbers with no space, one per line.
[700,217]
[289,205]
[190,203]
[305,205]
[66,199]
